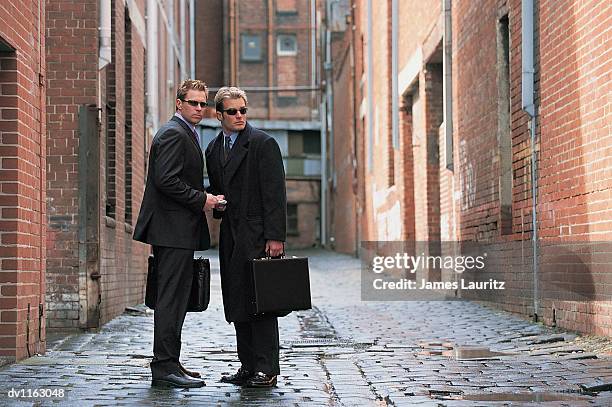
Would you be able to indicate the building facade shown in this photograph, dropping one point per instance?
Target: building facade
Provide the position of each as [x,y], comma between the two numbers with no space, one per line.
[113,69]
[453,137]
[270,49]
[22,179]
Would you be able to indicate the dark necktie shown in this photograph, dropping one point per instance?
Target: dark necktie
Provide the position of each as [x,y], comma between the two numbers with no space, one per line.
[227,146]
[196,136]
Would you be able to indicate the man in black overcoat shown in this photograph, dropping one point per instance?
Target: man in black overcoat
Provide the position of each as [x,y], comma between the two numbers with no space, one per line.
[173,221]
[245,165]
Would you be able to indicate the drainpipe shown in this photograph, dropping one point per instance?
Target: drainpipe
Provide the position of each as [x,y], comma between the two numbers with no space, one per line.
[104,56]
[152,66]
[394,69]
[324,129]
[192,43]
[527,104]
[355,151]
[183,16]
[313,55]
[370,89]
[171,51]
[448,82]
[329,90]
[271,54]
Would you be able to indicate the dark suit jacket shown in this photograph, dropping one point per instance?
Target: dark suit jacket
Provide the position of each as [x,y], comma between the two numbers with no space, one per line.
[171,213]
[253,182]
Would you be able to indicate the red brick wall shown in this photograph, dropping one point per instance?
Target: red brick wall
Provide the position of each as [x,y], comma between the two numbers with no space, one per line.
[573,129]
[74,77]
[220,28]
[573,134]
[306,195]
[136,253]
[72,61]
[210,44]
[343,214]
[575,169]
[22,179]
[123,261]
[215,55]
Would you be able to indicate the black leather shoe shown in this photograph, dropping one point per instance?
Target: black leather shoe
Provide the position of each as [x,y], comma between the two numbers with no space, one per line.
[176,380]
[239,378]
[260,379]
[190,373]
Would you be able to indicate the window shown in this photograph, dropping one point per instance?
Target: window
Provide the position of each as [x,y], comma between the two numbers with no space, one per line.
[286,6]
[292,220]
[286,45]
[251,47]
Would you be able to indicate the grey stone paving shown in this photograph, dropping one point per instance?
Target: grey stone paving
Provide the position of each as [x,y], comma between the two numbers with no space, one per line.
[343,352]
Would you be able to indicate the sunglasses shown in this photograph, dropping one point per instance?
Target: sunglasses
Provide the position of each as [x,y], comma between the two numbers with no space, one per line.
[232,111]
[195,103]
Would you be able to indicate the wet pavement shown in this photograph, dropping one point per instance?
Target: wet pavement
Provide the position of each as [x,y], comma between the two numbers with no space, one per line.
[343,352]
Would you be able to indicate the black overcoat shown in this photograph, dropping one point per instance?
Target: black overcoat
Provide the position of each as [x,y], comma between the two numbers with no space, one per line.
[253,182]
[171,213]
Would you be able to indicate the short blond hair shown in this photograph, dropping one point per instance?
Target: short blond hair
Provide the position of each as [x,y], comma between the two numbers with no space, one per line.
[228,92]
[191,84]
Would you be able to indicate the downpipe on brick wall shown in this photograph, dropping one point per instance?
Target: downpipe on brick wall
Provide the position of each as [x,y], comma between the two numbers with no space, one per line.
[105,16]
[528,105]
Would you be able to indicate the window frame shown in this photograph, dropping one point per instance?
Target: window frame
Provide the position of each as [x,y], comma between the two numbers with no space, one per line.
[279,41]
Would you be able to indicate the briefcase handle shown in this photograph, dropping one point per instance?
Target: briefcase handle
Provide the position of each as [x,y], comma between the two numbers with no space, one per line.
[282,256]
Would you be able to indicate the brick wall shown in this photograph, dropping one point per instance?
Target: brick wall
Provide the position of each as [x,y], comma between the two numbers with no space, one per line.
[72,43]
[470,203]
[306,195]
[22,179]
[343,214]
[575,167]
[86,296]
[122,262]
[220,60]
[210,44]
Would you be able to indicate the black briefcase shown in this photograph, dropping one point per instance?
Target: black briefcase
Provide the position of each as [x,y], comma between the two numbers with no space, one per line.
[280,285]
[200,287]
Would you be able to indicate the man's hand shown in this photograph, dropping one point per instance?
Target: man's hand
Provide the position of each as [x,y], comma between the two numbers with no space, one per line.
[274,248]
[211,202]
[221,204]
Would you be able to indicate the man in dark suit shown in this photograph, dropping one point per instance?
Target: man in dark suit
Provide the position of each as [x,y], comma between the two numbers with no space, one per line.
[173,221]
[245,165]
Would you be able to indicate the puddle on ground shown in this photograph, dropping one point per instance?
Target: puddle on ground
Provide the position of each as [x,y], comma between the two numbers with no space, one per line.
[536,396]
[474,353]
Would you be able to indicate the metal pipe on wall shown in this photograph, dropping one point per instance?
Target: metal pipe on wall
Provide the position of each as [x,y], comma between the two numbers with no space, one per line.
[152,66]
[394,70]
[192,44]
[271,54]
[528,105]
[232,44]
[104,55]
[170,57]
[324,109]
[183,14]
[313,55]
[355,144]
[370,77]
[447,90]
[329,90]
